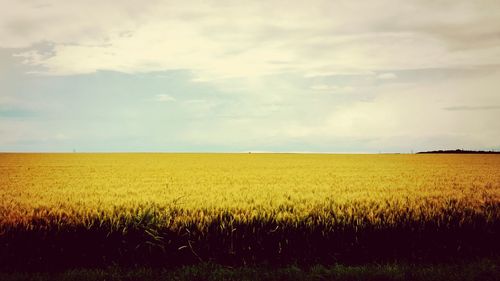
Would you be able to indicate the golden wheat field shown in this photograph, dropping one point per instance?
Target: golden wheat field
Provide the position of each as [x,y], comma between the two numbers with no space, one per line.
[76,186]
[233,204]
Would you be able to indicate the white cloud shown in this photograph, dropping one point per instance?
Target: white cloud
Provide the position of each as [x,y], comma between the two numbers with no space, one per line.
[332,88]
[164,98]
[61,137]
[407,115]
[387,76]
[218,40]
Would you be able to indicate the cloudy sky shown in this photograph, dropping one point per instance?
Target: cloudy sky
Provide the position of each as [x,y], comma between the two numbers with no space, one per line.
[310,76]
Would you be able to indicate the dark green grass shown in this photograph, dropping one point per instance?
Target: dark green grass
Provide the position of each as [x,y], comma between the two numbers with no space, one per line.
[484,270]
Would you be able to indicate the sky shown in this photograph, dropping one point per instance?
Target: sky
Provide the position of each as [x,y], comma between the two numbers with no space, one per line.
[237,76]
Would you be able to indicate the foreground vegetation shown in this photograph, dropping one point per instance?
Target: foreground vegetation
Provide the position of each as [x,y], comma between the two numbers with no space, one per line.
[484,270]
[66,210]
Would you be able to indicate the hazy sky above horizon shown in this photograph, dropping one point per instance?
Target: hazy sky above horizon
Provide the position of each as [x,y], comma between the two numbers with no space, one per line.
[311,76]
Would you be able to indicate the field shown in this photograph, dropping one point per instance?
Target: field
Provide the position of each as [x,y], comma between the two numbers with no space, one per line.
[87,210]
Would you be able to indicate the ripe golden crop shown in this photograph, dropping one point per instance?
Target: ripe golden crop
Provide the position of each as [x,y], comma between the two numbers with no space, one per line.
[237,195]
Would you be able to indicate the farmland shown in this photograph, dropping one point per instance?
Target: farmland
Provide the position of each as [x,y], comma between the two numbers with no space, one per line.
[245,209]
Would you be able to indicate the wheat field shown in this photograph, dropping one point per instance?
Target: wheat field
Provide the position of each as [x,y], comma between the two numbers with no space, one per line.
[91,209]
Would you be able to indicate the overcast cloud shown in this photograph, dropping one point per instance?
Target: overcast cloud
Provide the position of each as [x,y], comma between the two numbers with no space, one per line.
[336,76]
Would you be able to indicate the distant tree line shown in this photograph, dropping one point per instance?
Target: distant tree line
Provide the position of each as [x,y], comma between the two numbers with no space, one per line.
[461,151]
